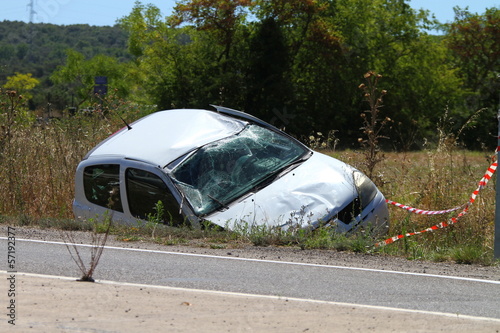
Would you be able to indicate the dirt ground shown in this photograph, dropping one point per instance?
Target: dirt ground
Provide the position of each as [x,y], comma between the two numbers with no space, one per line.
[55,304]
[48,304]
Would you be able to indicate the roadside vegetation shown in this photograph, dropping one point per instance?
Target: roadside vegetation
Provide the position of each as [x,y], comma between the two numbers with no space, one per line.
[422,131]
[296,63]
[38,160]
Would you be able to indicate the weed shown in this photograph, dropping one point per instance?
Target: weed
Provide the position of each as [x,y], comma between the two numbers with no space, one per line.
[100,235]
[218,246]
[263,235]
[38,160]
[469,254]
[318,141]
[174,241]
[153,220]
[66,224]
[372,124]
[319,239]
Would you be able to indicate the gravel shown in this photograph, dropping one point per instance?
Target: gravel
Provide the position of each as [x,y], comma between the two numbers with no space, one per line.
[288,254]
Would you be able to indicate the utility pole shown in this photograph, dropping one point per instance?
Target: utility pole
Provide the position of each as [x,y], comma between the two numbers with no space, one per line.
[30,30]
[496,245]
[32,11]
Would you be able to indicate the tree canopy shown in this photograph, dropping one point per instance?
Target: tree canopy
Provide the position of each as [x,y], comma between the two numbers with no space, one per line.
[294,63]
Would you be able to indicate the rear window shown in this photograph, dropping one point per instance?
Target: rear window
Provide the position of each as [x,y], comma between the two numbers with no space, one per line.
[101,185]
[144,191]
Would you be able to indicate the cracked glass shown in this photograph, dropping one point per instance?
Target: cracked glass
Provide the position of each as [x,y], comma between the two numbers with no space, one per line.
[216,174]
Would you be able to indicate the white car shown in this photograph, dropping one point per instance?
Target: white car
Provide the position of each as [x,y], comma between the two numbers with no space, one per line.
[226,167]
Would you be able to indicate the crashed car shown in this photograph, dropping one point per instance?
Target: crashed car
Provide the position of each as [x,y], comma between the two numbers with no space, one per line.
[224,167]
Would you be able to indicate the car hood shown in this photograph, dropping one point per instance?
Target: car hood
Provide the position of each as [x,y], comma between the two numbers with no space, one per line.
[315,190]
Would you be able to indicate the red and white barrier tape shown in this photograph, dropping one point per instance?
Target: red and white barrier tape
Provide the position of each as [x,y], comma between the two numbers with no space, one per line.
[421,211]
[482,183]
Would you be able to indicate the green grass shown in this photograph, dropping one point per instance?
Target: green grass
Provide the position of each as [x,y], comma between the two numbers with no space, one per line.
[38,162]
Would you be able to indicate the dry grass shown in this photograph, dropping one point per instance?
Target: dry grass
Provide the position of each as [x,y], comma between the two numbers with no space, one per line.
[38,161]
[38,157]
[436,180]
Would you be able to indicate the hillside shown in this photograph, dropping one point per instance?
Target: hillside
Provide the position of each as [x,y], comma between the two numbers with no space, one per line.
[39,48]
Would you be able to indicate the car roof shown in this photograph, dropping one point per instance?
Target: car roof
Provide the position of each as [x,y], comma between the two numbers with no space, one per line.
[163,136]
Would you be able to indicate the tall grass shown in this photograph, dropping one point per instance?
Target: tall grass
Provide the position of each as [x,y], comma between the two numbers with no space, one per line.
[436,179]
[38,160]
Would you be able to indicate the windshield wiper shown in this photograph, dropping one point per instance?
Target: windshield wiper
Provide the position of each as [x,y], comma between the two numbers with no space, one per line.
[222,205]
[281,171]
[301,159]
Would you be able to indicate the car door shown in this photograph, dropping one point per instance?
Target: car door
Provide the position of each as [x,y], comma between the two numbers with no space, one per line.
[148,194]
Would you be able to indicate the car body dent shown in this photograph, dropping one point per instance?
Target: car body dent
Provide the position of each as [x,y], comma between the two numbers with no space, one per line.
[311,192]
[168,135]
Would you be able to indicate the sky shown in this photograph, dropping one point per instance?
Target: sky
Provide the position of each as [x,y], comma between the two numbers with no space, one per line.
[106,12]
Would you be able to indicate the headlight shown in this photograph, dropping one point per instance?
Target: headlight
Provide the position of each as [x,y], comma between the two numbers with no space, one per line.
[365,188]
[366,192]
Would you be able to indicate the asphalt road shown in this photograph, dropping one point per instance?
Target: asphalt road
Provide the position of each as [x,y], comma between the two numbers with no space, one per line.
[463,296]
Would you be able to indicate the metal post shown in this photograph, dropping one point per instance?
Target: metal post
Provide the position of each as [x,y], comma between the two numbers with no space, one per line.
[496,245]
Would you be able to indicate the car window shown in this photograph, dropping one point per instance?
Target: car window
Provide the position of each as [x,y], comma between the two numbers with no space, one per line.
[223,171]
[101,184]
[144,191]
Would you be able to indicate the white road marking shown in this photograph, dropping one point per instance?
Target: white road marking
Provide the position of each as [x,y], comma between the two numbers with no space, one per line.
[266,261]
[213,292]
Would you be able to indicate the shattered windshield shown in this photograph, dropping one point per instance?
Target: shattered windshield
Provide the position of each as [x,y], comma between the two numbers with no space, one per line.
[222,171]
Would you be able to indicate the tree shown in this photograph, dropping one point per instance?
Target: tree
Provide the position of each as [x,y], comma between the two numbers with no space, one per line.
[220,27]
[268,86]
[79,74]
[309,62]
[169,61]
[474,42]
[388,37]
[220,17]
[300,58]
[195,57]
[22,84]
[296,16]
